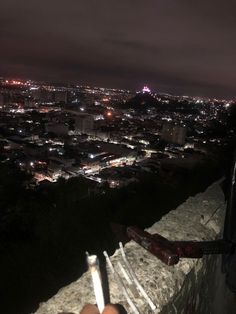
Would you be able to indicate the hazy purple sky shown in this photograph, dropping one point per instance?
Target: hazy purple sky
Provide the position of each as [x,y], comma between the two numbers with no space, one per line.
[179,46]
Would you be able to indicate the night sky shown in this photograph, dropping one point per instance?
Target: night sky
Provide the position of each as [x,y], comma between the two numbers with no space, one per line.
[176,46]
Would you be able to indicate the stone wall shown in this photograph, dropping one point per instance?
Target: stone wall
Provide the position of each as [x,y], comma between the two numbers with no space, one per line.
[188,287]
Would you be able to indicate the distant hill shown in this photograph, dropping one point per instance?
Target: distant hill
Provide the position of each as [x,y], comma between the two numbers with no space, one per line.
[143,101]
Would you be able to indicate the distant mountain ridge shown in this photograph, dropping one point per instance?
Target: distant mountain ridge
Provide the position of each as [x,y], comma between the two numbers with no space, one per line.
[141,101]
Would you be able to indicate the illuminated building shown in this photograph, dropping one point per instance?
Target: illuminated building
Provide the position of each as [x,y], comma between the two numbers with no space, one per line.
[84,123]
[173,134]
[146,90]
[42,95]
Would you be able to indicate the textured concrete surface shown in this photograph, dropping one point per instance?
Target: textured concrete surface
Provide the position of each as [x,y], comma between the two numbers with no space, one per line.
[187,287]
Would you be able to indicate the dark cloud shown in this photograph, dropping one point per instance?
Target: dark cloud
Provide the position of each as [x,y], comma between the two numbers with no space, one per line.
[182,46]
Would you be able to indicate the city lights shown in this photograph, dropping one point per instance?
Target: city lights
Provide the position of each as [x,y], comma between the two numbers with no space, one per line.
[117,112]
[103,133]
[146,90]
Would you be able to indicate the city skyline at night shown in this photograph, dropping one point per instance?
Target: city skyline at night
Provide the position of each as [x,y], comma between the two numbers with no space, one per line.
[117,114]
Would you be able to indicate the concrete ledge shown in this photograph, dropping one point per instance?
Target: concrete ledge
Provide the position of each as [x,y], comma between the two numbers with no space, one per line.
[187,287]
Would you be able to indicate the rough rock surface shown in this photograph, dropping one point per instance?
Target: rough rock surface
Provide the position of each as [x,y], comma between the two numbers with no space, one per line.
[185,288]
